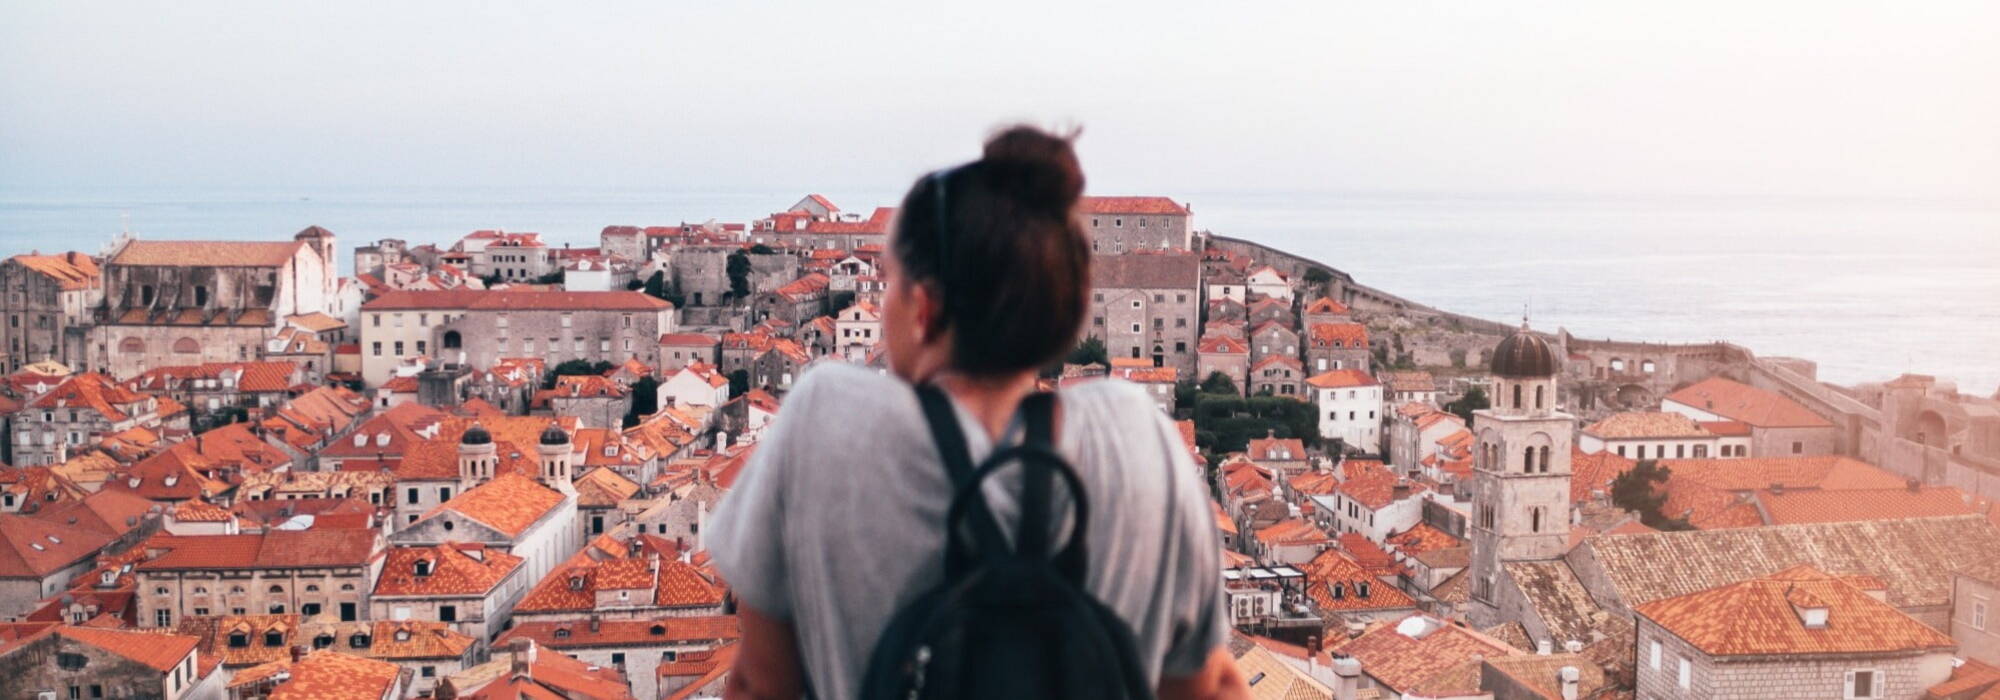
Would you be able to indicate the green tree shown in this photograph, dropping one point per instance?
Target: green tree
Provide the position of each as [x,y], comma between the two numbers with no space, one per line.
[551,278]
[1638,490]
[739,274]
[841,300]
[761,249]
[645,398]
[1184,394]
[1089,352]
[1219,383]
[659,287]
[1473,400]
[739,382]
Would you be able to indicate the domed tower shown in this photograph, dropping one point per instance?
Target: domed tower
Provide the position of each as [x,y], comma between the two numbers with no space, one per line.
[1521,468]
[554,451]
[477,458]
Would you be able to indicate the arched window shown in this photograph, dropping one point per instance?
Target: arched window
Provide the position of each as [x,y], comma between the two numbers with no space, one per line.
[452,339]
[200,295]
[1517,396]
[1545,459]
[132,344]
[1528,460]
[145,295]
[1646,366]
[1534,520]
[187,346]
[1538,396]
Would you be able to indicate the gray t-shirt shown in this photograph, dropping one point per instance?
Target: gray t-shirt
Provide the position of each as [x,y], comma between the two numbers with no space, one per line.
[837,522]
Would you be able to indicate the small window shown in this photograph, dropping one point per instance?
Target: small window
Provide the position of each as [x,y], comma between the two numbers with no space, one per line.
[1687,673]
[1861,684]
[1656,655]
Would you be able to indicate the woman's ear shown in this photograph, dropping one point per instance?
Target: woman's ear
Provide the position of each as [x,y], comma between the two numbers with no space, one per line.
[930,314]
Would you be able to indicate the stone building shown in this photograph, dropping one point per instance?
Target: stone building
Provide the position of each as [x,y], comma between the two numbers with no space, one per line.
[370,259]
[794,302]
[481,327]
[75,415]
[1273,338]
[1147,306]
[634,647]
[1277,375]
[1797,633]
[594,401]
[1226,355]
[1124,224]
[532,518]
[512,257]
[48,306]
[1349,402]
[679,350]
[48,555]
[189,302]
[1521,483]
[701,272]
[1975,611]
[465,585]
[1779,426]
[311,572]
[1332,346]
[63,661]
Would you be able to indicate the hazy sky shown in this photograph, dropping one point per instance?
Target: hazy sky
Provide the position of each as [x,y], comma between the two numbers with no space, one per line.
[1805,97]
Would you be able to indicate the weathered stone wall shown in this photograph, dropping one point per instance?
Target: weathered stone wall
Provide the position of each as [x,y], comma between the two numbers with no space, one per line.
[1905,676]
[32,669]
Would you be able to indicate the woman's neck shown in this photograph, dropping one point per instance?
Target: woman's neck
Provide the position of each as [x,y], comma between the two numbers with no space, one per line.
[990,399]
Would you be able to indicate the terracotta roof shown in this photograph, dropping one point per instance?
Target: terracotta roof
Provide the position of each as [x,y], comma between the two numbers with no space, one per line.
[1558,599]
[1795,506]
[71,270]
[1222,520]
[1131,205]
[514,441]
[95,392]
[1277,359]
[504,300]
[1725,428]
[1416,649]
[1913,556]
[573,634]
[196,510]
[1967,681]
[1741,402]
[208,253]
[1223,344]
[1541,673]
[1292,532]
[1711,493]
[696,339]
[1272,678]
[1324,305]
[508,504]
[277,549]
[1371,484]
[1332,572]
[604,488]
[1338,335]
[1421,538]
[1341,379]
[1594,472]
[876,223]
[159,652]
[1149,271]
[35,548]
[1646,424]
[1409,380]
[1368,554]
[332,675]
[109,512]
[453,570]
[1763,616]
[1315,483]
[1276,449]
[812,284]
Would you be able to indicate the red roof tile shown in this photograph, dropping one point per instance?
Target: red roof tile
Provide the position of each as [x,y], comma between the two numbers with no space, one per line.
[157,651]
[1131,205]
[1748,404]
[1762,616]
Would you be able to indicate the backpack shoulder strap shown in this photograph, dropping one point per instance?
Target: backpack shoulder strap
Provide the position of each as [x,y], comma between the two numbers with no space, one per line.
[957,458]
[1031,538]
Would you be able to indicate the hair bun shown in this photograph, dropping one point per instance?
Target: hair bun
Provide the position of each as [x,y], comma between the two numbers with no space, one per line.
[1035,166]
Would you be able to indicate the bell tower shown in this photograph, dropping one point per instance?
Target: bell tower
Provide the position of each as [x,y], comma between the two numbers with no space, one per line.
[476,457]
[1521,468]
[554,453]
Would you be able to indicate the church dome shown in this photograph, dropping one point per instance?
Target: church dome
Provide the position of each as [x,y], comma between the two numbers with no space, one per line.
[476,435]
[554,435]
[1524,354]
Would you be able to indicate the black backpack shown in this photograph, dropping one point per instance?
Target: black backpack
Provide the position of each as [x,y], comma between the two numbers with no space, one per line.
[1006,622]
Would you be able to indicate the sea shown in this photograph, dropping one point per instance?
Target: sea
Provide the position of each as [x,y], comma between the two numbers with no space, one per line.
[1868,288]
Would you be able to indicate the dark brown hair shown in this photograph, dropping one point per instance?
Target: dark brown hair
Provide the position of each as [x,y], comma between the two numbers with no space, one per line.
[1000,242]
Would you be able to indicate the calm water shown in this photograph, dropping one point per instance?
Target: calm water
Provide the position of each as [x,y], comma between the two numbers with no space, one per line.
[1866,288]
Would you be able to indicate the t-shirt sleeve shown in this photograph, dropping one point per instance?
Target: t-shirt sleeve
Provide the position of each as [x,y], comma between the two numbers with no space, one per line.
[746,533]
[1201,620]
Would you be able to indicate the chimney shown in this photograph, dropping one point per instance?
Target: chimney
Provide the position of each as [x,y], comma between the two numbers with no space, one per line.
[596,622]
[1573,646]
[1544,647]
[1777,489]
[1347,677]
[523,658]
[1569,676]
[1915,485]
[298,652]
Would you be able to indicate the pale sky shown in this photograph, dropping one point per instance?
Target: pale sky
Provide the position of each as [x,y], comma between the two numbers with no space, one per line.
[1808,97]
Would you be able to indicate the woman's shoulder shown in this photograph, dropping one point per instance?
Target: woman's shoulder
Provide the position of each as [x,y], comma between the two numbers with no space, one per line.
[846,389]
[1113,402]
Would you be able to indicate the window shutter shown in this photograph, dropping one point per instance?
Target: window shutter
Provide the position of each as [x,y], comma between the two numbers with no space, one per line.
[1849,691]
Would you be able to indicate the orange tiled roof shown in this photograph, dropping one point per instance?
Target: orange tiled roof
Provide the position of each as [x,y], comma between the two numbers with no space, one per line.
[1333,573]
[72,270]
[331,675]
[1315,483]
[95,392]
[1423,538]
[1341,379]
[1338,335]
[1215,343]
[482,300]
[453,570]
[1222,520]
[1368,482]
[1741,402]
[208,253]
[1292,532]
[508,504]
[514,440]
[1131,205]
[1369,555]
[31,548]
[278,549]
[1796,506]
[196,510]
[1761,616]
[1324,305]
[159,652]
[661,630]
[1416,649]
[1594,472]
